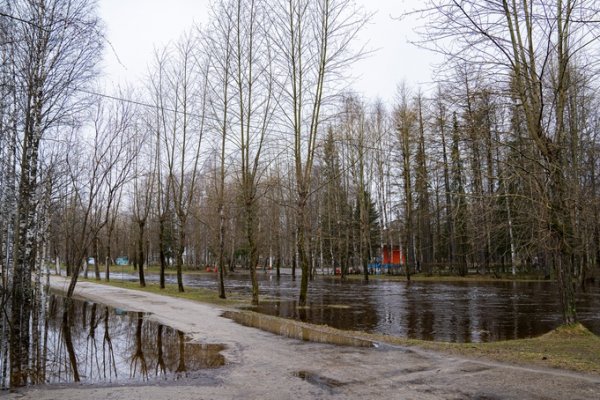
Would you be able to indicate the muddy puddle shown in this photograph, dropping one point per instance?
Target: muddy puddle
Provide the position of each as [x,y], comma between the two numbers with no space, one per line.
[95,344]
[323,382]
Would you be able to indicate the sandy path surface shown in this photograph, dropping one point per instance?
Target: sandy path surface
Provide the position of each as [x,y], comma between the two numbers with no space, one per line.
[261,365]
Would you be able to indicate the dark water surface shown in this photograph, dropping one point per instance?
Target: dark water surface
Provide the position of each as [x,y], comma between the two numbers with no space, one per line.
[442,311]
[93,343]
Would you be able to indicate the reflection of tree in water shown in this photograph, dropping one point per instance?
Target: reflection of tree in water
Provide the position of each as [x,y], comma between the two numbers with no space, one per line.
[38,333]
[160,361]
[167,351]
[107,350]
[66,330]
[181,365]
[138,354]
[80,341]
[92,347]
[23,329]
[91,339]
[167,354]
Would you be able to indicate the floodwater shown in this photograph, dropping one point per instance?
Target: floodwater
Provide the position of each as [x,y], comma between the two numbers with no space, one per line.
[92,343]
[441,311]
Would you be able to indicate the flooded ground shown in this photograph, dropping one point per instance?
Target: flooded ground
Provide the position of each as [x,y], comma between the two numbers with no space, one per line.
[92,343]
[264,366]
[443,311]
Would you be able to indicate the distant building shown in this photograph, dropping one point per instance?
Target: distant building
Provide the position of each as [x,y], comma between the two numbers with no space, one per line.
[390,261]
[393,255]
[122,260]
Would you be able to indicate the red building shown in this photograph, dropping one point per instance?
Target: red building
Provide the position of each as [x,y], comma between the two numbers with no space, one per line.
[392,255]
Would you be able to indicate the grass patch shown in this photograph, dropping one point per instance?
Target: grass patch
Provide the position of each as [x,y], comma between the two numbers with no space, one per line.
[155,269]
[568,347]
[197,294]
[420,277]
[451,278]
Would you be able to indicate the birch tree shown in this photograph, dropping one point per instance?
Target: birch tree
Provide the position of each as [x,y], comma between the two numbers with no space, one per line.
[56,46]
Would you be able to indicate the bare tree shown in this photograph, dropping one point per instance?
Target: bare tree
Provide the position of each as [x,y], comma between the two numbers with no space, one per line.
[159,121]
[189,82]
[424,243]
[56,45]
[179,92]
[99,172]
[360,148]
[406,120]
[536,44]
[143,186]
[220,49]
[254,82]
[381,128]
[313,39]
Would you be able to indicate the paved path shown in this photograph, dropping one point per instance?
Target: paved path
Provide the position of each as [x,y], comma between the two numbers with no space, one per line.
[265,366]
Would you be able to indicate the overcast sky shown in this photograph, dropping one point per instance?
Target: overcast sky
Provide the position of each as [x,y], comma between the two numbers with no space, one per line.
[135,27]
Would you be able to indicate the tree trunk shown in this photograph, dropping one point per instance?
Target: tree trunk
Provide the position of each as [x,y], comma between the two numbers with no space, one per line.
[24,251]
[96,258]
[66,330]
[222,251]
[179,261]
[301,246]
[140,248]
[250,236]
[161,247]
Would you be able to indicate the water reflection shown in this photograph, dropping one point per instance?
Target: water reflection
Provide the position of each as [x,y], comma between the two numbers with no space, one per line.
[91,343]
[444,311]
[454,312]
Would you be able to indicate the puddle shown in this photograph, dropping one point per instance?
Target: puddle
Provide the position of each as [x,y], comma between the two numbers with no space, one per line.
[320,381]
[95,344]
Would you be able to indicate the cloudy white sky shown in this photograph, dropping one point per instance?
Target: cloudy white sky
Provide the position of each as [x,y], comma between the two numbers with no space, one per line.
[135,27]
